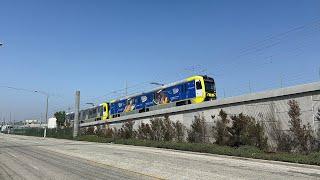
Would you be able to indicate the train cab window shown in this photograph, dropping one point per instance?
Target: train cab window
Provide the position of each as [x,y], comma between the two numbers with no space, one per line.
[198,85]
[210,86]
[104,108]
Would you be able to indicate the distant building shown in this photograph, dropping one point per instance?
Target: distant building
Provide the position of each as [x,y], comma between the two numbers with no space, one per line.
[31,121]
[6,128]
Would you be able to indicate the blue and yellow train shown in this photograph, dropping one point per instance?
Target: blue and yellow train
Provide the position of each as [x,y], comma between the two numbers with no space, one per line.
[193,90]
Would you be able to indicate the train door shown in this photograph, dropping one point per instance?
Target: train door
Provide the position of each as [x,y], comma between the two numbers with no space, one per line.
[198,88]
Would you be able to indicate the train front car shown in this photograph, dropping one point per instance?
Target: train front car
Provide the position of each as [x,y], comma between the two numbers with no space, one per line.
[210,88]
[203,88]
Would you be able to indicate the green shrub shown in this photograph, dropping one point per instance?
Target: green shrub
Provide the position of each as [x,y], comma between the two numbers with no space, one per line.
[157,129]
[61,118]
[89,130]
[144,131]
[246,131]
[198,131]
[168,129]
[179,131]
[303,138]
[126,131]
[220,130]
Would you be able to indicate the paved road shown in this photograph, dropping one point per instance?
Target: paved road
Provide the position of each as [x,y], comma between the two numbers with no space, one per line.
[19,160]
[110,161]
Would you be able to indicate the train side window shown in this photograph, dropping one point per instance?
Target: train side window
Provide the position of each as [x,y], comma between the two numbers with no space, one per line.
[198,85]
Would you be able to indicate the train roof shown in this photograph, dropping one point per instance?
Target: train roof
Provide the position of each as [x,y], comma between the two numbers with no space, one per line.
[156,89]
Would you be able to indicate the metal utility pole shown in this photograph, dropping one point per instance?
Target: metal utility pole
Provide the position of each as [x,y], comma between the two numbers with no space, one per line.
[76,115]
[126,88]
[46,115]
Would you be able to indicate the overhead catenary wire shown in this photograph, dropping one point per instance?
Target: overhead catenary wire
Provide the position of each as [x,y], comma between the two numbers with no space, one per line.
[278,37]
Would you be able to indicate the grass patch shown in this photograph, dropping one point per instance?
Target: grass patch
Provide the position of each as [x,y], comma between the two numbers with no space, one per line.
[242,151]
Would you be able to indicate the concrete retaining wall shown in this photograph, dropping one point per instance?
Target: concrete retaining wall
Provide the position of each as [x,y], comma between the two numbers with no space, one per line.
[268,107]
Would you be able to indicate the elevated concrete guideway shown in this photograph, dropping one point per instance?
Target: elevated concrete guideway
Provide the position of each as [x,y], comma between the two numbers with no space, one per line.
[274,101]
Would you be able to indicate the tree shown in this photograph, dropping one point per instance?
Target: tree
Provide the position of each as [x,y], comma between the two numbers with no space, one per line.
[220,130]
[157,128]
[179,131]
[245,130]
[238,131]
[198,131]
[144,131]
[302,134]
[61,118]
[127,131]
[318,133]
[168,129]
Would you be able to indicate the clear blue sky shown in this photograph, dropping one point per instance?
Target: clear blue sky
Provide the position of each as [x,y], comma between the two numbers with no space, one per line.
[96,46]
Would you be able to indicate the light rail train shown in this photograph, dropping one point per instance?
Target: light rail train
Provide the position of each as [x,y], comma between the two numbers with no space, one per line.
[193,90]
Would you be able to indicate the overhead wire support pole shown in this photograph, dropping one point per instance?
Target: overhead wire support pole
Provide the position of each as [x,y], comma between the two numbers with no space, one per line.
[46,114]
[126,88]
[76,115]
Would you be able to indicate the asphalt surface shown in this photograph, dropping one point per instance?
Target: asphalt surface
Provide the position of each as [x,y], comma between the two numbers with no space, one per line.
[28,161]
[35,158]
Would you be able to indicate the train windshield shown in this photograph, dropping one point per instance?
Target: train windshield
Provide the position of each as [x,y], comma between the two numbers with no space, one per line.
[210,86]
